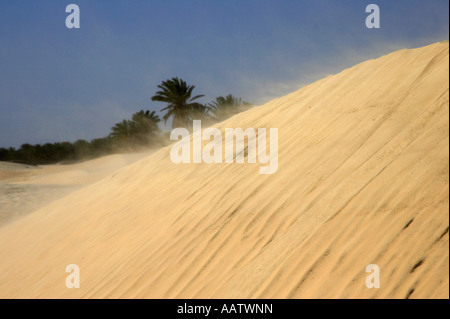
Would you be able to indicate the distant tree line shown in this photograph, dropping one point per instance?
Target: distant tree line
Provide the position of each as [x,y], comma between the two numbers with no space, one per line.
[141,131]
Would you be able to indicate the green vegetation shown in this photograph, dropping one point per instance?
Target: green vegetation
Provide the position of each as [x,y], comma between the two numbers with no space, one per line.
[141,131]
[180,103]
[224,107]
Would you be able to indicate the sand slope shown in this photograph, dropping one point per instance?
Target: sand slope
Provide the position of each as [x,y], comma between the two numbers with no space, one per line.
[362,179]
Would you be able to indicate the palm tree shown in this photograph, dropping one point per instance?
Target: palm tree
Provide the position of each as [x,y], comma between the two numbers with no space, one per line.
[180,103]
[145,126]
[122,131]
[224,107]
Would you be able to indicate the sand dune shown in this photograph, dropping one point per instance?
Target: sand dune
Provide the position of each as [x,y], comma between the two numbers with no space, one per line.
[362,179]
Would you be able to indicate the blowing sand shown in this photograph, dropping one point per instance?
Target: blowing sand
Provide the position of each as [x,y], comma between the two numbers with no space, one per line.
[362,179]
[26,188]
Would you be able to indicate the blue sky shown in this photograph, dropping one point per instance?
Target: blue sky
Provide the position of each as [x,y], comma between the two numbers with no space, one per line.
[59,84]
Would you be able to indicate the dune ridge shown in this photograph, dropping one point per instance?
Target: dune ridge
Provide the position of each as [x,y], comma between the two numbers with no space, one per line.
[362,179]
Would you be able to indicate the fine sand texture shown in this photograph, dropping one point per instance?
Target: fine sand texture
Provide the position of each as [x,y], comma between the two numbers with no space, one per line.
[363,179]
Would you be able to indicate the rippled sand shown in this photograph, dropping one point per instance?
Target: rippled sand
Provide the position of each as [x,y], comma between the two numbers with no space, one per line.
[362,179]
